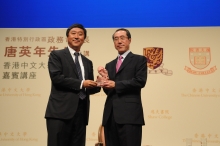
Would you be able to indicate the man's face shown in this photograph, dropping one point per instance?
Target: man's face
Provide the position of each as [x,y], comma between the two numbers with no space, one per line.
[76,38]
[121,41]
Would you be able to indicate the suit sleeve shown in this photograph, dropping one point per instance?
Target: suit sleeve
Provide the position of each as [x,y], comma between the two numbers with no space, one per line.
[59,72]
[138,81]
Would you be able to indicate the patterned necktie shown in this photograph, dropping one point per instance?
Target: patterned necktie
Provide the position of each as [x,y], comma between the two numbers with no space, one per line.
[82,93]
[119,63]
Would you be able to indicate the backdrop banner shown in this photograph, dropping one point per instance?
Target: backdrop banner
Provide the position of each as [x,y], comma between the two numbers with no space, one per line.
[180,99]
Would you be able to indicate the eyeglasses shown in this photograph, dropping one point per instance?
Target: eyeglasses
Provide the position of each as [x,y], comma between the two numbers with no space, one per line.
[121,38]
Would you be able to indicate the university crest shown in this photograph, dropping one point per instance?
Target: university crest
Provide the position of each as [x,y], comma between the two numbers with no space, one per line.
[200,57]
[154,56]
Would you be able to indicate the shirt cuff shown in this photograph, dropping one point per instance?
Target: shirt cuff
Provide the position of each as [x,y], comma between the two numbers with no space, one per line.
[81,86]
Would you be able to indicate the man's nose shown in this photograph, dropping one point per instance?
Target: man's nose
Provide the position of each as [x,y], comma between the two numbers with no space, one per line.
[119,41]
[76,36]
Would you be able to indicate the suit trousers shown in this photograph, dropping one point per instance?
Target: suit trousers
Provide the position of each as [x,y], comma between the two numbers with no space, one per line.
[122,134]
[71,132]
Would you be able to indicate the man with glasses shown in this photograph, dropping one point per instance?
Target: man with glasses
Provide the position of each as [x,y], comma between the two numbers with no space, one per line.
[123,113]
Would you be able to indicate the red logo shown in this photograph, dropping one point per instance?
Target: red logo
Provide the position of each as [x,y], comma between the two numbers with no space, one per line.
[154,57]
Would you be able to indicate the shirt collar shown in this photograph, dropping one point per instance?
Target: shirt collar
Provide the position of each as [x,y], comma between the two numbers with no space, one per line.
[124,54]
[72,51]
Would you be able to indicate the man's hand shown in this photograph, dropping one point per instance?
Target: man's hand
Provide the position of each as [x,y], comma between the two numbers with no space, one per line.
[89,84]
[100,80]
[109,84]
[103,72]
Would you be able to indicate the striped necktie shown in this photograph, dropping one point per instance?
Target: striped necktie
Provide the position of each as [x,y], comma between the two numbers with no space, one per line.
[82,93]
[119,63]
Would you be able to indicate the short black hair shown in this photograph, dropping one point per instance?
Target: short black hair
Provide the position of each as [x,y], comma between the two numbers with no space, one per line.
[123,29]
[76,25]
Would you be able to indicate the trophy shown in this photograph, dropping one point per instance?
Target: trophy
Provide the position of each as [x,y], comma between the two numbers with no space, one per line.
[104,76]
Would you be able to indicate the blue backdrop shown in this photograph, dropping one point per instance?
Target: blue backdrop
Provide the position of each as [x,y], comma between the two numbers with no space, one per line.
[109,13]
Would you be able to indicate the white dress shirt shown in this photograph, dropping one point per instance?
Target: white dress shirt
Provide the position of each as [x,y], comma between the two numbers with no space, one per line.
[80,62]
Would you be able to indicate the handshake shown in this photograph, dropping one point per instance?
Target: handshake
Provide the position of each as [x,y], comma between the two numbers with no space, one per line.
[104,76]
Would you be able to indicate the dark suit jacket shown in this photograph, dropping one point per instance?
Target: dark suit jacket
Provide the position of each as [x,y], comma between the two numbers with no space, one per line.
[125,98]
[63,100]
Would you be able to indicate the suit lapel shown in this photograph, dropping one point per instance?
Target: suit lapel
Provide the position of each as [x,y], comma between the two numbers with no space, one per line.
[70,60]
[126,61]
[112,69]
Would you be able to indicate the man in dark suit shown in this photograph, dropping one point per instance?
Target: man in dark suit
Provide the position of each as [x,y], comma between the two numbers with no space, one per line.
[123,113]
[72,78]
